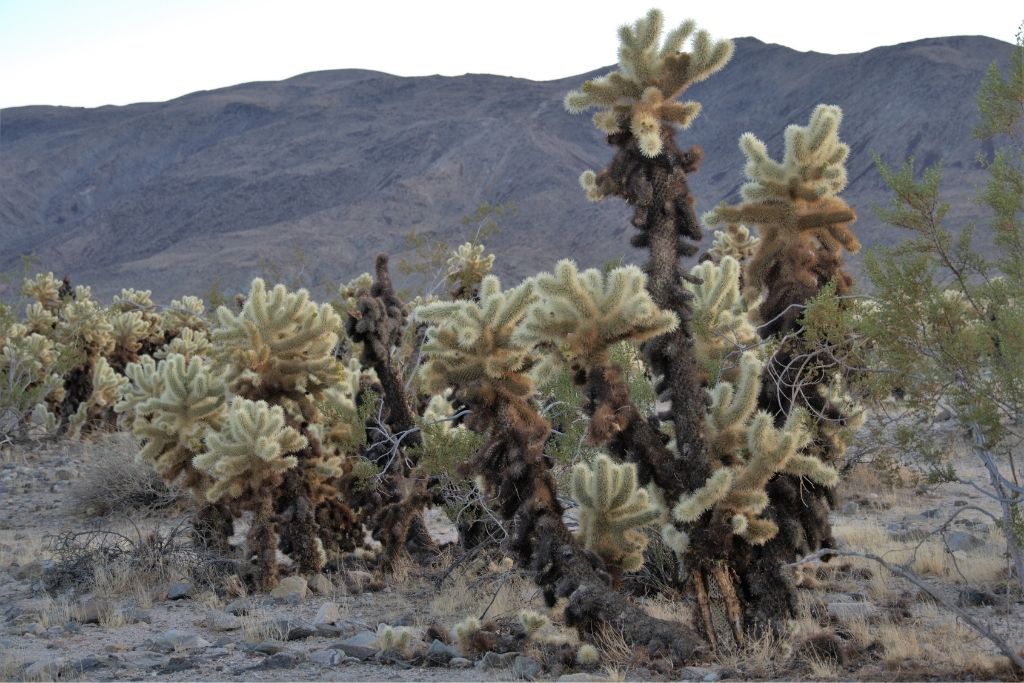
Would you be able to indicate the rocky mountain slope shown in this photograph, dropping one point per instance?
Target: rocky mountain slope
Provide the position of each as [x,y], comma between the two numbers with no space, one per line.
[175,196]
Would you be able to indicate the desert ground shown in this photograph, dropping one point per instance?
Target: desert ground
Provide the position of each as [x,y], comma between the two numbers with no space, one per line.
[98,582]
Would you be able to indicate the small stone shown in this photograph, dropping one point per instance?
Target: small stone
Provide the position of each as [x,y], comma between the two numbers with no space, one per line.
[267,647]
[177,664]
[143,660]
[440,653]
[135,615]
[240,607]
[90,611]
[581,677]
[281,660]
[318,583]
[326,657]
[45,670]
[850,507]
[493,660]
[525,668]
[362,645]
[971,597]
[931,514]
[329,613]
[850,610]
[179,590]
[962,540]
[176,640]
[294,629]
[459,663]
[358,581]
[63,474]
[290,587]
[222,621]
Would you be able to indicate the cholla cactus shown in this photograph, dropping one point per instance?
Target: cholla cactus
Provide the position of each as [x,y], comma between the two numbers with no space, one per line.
[394,639]
[252,450]
[279,342]
[804,225]
[39,318]
[129,330]
[720,324]
[532,622]
[736,241]
[737,491]
[587,655]
[640,96]
[464,632]
[472,342]
[190,343]
[141,301]
[84,325]
[106,390]
[612,510]
[466,268]
[171,406]
[45,289]
[188,312]
[584,314]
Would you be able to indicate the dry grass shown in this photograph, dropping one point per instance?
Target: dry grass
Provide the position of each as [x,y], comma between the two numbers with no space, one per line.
[769,656]
[259,626]
[112,482]
[929,557]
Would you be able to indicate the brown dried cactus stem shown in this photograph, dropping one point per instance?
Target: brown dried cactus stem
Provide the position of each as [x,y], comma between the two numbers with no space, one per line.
[377,324]
[657,190]
[512,465]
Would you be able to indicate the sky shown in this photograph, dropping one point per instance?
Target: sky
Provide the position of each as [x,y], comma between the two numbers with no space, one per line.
[96,52]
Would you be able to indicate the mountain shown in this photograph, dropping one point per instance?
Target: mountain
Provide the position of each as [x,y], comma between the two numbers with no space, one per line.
[175,196]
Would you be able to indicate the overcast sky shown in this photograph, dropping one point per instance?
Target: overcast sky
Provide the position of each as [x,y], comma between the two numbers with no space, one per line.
[95,52]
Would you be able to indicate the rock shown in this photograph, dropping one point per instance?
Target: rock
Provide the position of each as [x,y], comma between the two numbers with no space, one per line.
[525,668]
[63,474]
[89,611]
[267,647]
[699,673]
[931,514]
[971,597]
[319,583]
[850,610]
[357,581]
[87,663]
[331,631]
[962,540]
[329,613]
[581,677]
[832,598]
[180,590]
[281,660]
[459,663]
[327,657]
[850,507]
[176,640]
[440,654]
[222,621]
[240,607]
[362,645]
[293,628]
[290,587]
[135,615]
[177,664]
[492,660]
[49,670]
[143,660]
